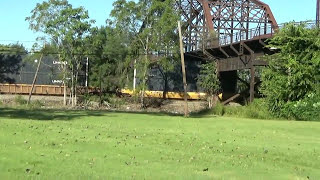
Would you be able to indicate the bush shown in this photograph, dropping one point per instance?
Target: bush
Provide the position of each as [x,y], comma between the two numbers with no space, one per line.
[256,110]
[219,109]
[307,109]
[293,74]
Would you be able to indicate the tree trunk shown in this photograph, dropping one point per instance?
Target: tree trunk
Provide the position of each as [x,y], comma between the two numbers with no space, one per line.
[145,70]
[212,101]
[72,87]
[76,83]
[64,92]
[100,87]
[144,84]
[135,75]
[165,89]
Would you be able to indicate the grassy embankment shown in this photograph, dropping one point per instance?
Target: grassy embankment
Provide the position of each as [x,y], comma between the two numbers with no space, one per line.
[82,144]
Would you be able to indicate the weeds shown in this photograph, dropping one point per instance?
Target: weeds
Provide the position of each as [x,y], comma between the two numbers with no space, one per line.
[256,110]
[219,109]
[19,100]
[37,104]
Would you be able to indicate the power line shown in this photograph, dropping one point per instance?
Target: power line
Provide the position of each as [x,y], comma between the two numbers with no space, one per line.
[4,51]
[19,51]
[16,41]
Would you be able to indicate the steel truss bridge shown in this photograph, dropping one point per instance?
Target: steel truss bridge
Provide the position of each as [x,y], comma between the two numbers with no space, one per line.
[232,33]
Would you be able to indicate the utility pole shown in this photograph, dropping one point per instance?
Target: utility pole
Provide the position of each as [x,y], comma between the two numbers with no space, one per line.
[186,112]
[35,78]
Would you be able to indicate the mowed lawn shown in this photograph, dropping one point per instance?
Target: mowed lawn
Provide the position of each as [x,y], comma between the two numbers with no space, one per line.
[110,145]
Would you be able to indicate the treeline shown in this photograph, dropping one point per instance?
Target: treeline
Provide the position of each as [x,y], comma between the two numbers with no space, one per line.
[143,34]
[137,36]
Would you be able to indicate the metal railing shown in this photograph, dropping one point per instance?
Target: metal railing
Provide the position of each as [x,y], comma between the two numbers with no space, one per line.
[254,33]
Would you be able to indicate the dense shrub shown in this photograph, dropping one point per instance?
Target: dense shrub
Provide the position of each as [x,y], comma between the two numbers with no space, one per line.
[305,109]
[293,74]
[218,109]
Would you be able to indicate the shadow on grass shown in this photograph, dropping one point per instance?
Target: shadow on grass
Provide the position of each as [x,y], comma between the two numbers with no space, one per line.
[203,113]
[148,113]
[66,115]
[45,114]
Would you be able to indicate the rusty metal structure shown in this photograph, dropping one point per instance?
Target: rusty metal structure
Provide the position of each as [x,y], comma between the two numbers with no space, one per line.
[230,32]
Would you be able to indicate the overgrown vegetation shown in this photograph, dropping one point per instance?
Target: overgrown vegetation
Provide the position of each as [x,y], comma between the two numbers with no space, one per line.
[291,81]
[256,110]
[208,80]
[19,100]
[307,108]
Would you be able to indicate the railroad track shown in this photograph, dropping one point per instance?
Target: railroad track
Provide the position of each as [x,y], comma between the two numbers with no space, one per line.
[52,90]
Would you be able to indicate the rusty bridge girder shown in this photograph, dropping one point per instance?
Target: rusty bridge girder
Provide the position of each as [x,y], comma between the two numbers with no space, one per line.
[212,23]
[230,32]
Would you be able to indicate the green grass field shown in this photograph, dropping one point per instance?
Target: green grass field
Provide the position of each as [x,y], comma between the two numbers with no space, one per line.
[51,144]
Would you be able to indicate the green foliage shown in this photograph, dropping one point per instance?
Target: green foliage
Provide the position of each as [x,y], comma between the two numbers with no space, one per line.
[149,28]
[208,79]
[68,29]
[19,100]
[11,57]
[293,72]
[307,109]
[36,104]
[218,109]
[108,65]
[258,109]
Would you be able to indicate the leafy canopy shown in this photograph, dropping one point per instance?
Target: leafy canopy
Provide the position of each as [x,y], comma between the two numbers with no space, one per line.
[294,72]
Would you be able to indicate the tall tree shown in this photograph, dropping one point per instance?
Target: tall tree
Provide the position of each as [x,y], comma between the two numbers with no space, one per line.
[166,40]
[108,56]
[151,24]
[67,28]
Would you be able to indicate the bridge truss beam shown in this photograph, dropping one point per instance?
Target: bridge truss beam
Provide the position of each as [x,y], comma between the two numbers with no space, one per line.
[211,23]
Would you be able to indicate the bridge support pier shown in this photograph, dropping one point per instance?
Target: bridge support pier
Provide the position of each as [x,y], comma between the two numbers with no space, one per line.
[252,83]
[252,79]
[228,81]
